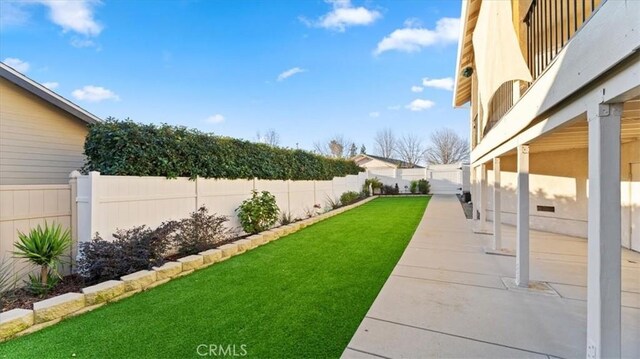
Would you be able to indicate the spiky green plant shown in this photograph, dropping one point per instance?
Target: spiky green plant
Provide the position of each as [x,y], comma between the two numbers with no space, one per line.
[6,279]
[44,247]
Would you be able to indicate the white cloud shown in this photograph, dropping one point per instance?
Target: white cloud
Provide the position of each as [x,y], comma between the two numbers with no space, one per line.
[12,13]
[94,94]
[51,85]
[394,107]
[286,74]
[443,84]
[19,65]
[416,88]
[374,114]
[344,15]
[217,118]
[74,15]
[82,42]
[420,105]
[412,39]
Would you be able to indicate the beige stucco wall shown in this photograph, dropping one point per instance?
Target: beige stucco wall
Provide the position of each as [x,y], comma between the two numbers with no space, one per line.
[39,144]
[560,179]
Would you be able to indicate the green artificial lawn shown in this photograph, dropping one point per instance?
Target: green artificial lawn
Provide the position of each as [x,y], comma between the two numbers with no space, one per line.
[301,296]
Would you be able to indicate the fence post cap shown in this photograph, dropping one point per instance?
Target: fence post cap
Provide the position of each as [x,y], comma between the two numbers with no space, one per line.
[75,174]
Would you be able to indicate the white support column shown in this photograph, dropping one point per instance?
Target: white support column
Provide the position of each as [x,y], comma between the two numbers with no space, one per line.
[497,210]
[522,223]
[474,192]
[483,226]
[603,280]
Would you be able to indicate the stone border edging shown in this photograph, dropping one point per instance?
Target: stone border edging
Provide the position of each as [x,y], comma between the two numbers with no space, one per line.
[18,322]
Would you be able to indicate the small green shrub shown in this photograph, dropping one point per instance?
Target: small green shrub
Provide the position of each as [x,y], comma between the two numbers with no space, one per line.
[36,286]
[350,197]
[387,189]
[332,203]
[199,232]
[423,186]
[375,183]
[258,213]
[285,218]
[43,247]
[132,250]
[413,187]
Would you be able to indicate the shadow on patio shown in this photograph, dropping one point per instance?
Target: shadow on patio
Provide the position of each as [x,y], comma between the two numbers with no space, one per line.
[447,298]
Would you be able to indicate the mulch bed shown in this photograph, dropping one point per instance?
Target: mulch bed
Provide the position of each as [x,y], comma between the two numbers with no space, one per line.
[23,299]
[466,207]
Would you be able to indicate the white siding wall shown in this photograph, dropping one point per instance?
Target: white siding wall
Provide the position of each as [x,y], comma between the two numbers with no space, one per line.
[39,144]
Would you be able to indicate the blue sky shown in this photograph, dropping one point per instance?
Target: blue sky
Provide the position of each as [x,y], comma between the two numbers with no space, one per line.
[308,69]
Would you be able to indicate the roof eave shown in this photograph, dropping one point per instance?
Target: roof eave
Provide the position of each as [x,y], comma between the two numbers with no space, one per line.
[19,79]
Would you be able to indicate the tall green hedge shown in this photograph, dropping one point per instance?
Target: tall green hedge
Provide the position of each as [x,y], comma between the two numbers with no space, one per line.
[127,148]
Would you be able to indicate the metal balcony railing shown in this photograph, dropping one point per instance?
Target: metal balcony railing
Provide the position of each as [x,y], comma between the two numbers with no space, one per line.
[500,104]
[550,24]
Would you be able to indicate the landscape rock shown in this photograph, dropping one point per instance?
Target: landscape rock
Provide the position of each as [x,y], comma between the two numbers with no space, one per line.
[102,292]
[14,321]
[138,280]
[168,270]
[57,307]
[211,256]
[194,261]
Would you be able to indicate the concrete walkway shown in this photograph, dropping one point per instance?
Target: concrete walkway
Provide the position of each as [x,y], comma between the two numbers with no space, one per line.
[447,298]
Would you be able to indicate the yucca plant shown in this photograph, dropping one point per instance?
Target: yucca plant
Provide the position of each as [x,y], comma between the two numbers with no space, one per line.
[44,247]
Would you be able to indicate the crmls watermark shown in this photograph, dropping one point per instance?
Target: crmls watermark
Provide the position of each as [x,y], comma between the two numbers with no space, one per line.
[221,350]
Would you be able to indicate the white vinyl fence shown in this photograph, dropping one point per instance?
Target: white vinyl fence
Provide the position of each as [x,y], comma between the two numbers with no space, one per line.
[108,203]
[444,179]
[23,207]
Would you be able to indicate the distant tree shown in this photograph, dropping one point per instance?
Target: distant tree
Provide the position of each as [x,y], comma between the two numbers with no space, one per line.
[363,149]
[270,137]
[447,147]
[336,147]
[353,150]
[385,143]
[410,149]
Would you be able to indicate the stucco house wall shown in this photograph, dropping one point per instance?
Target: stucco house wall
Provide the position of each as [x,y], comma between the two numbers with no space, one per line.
[560,179]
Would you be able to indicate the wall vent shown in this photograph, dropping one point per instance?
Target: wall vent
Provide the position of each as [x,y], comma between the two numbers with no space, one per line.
[546,209]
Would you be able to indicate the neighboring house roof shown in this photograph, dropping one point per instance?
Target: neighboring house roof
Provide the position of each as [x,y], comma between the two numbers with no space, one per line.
[19,79]
[391,161]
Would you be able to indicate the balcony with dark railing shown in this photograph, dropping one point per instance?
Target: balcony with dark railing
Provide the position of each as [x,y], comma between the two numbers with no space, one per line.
[549,26]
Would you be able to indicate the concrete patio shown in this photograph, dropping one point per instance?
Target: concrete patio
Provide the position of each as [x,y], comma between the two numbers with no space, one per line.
[447,298]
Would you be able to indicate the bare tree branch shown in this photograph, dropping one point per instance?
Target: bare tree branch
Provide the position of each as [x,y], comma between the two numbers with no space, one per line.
[447,147]
[410,149]
[385,143]
[270,137]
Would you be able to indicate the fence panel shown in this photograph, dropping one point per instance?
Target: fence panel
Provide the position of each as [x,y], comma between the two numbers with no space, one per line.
[301,198]
[222,196]
[23,207]
[324,192]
